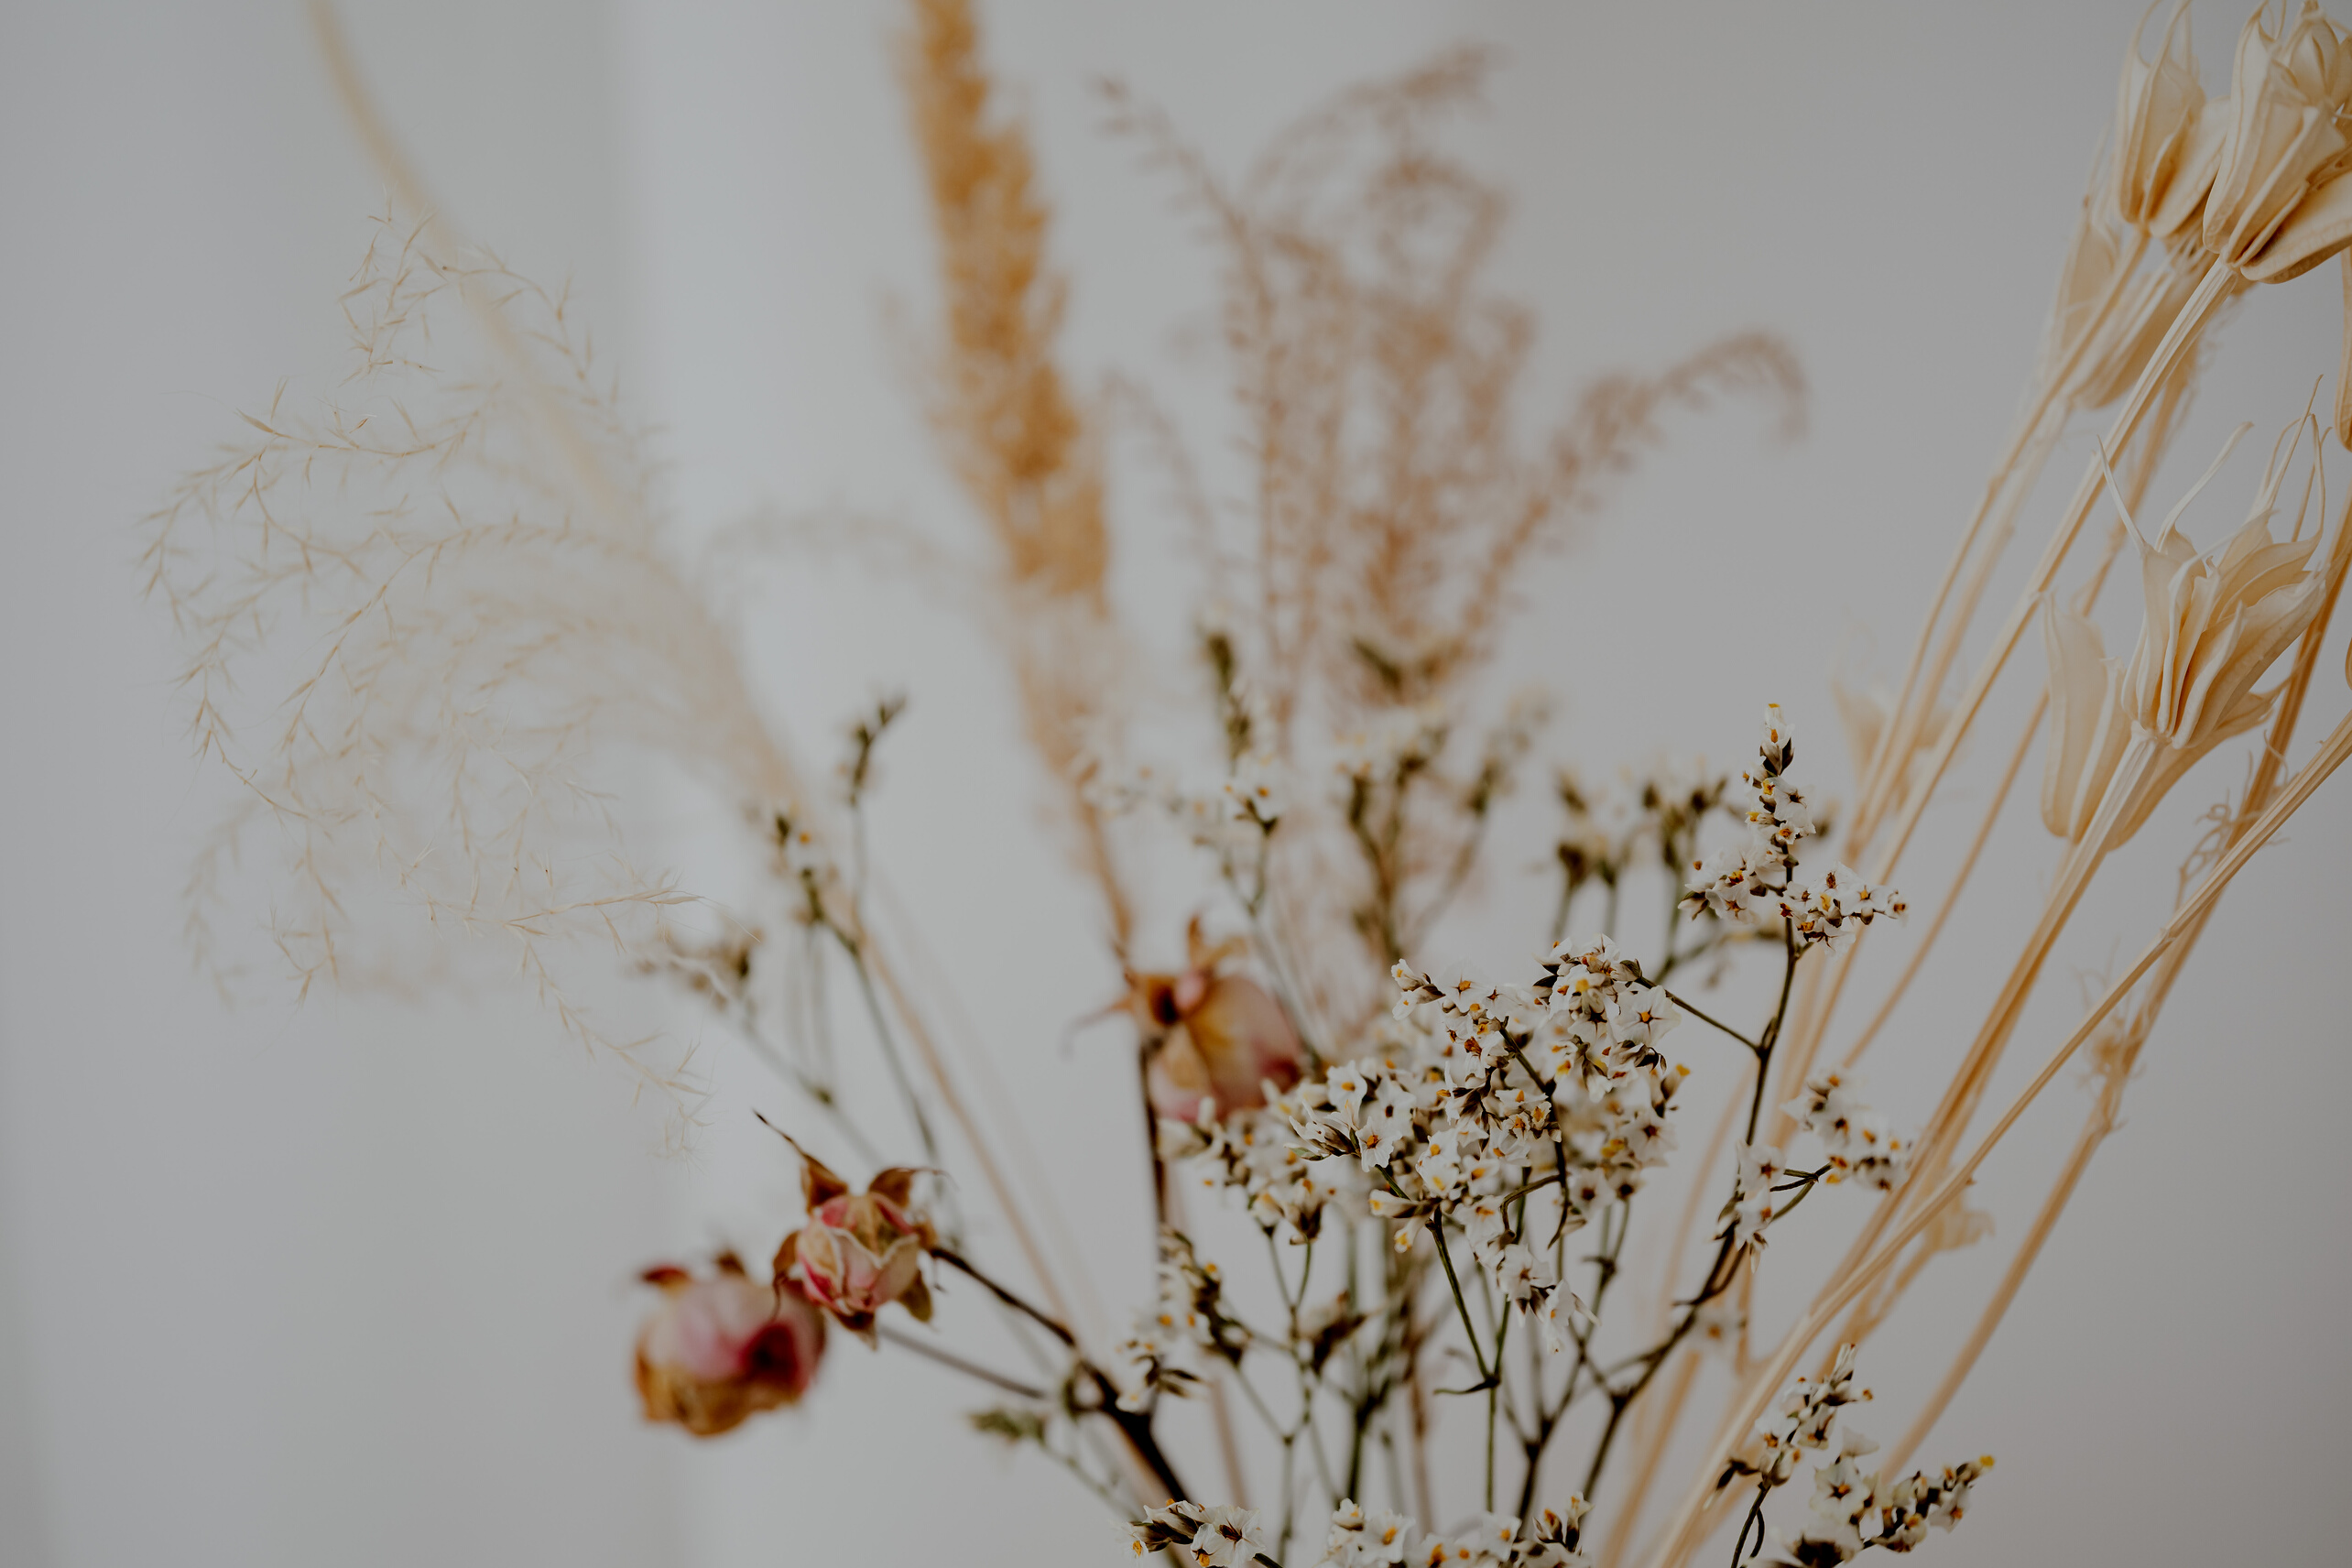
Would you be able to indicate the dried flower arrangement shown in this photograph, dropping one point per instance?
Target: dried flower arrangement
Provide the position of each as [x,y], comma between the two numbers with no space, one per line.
[469,547]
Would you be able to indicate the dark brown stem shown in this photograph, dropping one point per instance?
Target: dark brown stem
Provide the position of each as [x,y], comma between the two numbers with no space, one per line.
[1134,1425]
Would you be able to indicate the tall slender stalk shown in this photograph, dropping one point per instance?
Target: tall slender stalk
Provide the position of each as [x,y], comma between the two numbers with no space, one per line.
[2178,340]
[2101,1119]
[1914,700]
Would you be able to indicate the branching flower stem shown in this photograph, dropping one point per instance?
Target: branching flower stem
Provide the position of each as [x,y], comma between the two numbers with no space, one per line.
[1896,737]
[947,1358]
[1134,1425]
[1721,1273]
[887,1039]
[1705,1018]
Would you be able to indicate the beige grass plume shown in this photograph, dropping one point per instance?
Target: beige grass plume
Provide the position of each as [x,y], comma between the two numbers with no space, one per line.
[421,620]
[1394,506]
[1020,448]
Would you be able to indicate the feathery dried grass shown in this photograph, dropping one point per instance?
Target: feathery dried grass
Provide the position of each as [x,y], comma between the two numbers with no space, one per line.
[1394,503]
[458,552]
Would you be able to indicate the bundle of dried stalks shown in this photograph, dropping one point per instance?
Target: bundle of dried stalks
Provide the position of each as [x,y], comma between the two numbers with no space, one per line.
[466,549]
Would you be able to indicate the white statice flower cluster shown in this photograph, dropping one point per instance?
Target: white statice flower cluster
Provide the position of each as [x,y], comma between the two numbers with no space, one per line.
[1857,1140]
[1602,1020]
[1213,1537]
[1162,1354]
[1233,818]
[1801,1420]
[1759,880]
[1486,1092]
[1852,1510]
[1831,911]
[1230,819]
[1755,1197]
[1253,1153]
[1492,1541]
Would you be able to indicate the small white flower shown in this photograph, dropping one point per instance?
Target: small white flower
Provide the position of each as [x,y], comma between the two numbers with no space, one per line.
[1227,1537]
[1718,1323]
[1642,1017]
[1856,1140]
[1360,1541]
[1386,1124]
[1347,1086]
[1753,1200]
[1561,1316]
[1253,792]
[1843,1490]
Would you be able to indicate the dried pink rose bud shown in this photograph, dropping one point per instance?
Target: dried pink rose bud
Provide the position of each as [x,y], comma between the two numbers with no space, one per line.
[859,1251]
[1220,1036]
[720,1349]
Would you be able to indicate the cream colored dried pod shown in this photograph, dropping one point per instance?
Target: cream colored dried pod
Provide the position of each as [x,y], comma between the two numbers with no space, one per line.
[2168,135]
[2213,625]
[2281,203]
[2111,364]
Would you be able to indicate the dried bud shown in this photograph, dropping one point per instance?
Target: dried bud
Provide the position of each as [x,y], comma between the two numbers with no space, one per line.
[1215,1037]
[860,1251]
[718,1350]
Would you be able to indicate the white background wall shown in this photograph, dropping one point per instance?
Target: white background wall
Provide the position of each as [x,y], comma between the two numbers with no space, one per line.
[348,1283]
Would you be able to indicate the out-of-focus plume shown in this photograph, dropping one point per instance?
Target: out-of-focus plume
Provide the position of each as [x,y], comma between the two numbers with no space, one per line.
[424,619]
[1022,451]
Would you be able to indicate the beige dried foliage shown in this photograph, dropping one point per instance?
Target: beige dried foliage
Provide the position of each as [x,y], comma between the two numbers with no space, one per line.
[425,618]
[1026,457]
[1393,504]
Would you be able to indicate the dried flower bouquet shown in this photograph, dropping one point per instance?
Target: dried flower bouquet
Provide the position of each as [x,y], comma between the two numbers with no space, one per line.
[1444,1165]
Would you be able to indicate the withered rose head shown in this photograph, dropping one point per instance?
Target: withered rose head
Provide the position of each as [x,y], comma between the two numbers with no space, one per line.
[859,1251]
[1212,1036]
[722,1348]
